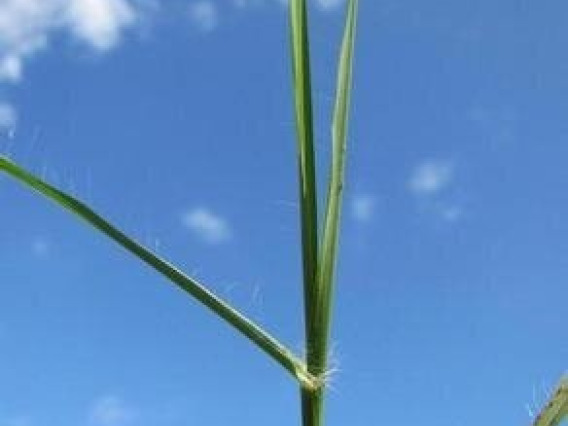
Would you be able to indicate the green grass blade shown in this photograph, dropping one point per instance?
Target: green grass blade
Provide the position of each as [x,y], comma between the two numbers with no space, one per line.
[328,255]
[306,155]
[307,181]
[256,334]
[556,409]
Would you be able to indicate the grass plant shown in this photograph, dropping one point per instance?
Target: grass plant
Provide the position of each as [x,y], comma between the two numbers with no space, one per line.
[319,253]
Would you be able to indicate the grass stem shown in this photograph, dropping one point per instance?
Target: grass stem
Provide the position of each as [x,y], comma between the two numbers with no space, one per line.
[307,179]
[319,266]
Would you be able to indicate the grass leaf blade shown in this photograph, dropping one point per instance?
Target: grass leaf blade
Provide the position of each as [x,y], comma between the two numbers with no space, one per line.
[328,255]
[256,334]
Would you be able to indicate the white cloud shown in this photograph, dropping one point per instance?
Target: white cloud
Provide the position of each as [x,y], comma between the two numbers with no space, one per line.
[11,68]
[26,27]
[428,182]
[8,117]
[204,15]
[110,410]
[430,177]
[207,225]
[363,207]
[100,22]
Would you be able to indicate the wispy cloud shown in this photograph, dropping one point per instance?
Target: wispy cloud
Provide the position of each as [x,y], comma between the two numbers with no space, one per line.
[100,22]
[110,410]
[363,207]
[11,67]
[430,177]
[26,27]
[430,182]
[204,15]
[208,226]
[8,117]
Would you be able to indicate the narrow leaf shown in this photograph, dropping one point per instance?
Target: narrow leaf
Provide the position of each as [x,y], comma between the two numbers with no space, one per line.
[256,334]
[328,255]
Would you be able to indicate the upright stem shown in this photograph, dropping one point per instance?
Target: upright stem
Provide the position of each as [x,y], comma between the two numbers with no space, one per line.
[306,155]
[311,399]
[319,266]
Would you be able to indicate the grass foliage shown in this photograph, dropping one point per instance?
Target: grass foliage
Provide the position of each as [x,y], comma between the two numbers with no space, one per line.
[319,254]
[319,257]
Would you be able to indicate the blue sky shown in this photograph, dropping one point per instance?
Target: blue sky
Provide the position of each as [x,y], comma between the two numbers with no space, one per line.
[175,121]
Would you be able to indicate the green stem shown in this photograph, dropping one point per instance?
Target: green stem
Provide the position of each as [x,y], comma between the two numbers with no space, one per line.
[256,334]
[319,271]
[306,154]
[307,182]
